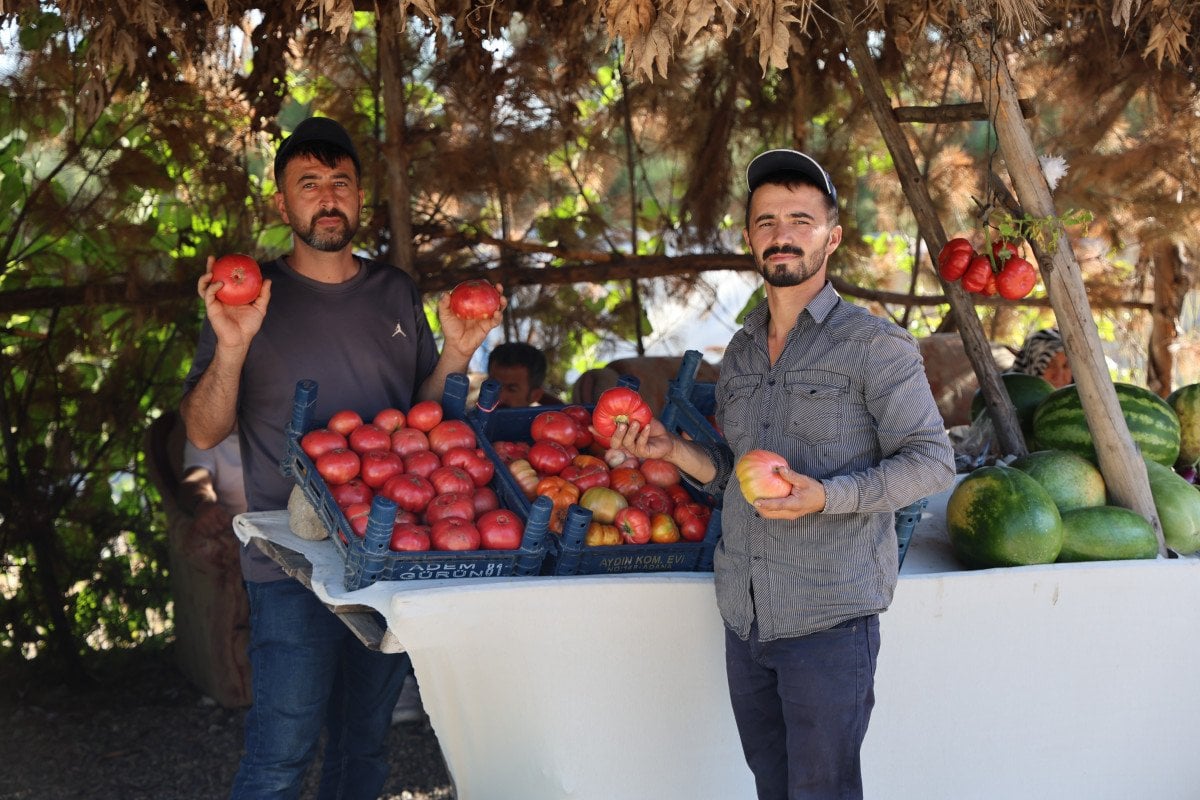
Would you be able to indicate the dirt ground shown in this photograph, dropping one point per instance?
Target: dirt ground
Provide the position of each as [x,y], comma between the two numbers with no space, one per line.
[140,731]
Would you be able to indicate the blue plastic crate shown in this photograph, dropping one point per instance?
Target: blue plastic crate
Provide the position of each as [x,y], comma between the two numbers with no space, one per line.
[370,558]
[566,554]
[906,522]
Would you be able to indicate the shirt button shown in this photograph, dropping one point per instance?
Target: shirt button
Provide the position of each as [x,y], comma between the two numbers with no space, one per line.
[766,425]
[771,382]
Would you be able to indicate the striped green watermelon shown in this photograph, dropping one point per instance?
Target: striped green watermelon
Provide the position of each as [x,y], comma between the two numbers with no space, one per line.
[1001,517]
[1185,402]
[1059,424]
[1071,480]
[1104,533]
[1178,505]
[1025,391]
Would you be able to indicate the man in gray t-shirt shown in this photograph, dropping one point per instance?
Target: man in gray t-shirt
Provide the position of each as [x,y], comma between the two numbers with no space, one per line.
[358,328]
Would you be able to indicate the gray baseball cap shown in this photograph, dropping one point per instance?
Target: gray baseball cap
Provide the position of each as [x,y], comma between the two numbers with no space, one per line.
[772,161]
[315,129]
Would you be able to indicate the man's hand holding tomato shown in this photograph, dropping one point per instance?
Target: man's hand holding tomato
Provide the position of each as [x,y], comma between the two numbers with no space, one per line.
[653,440]
[234,326]
[807,497]
[464,336]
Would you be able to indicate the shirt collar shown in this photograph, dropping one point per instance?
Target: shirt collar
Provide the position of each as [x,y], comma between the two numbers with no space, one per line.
[818,308]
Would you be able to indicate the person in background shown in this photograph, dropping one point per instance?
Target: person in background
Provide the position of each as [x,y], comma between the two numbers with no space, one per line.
[801,580]
[1044,355]
[358,328]
[520,369]
[212,488]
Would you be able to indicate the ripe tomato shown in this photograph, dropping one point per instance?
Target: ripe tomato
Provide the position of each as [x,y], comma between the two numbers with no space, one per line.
[500,530]
[451,479]
[409,537]
[422,462]
[425,415]
[525,476]
[344,421]
[583,418]
[600,534]
[549,458]
[367,437]
[478,466]
[619,404]
[626,480]
[338,465]
[659,472]
[317,442]
[511,451]
[351,492]
[975,279]
[484,499]
[652,499]
[241,279]
[378,466]
[1003,252]
[451,433]
[757,473]
[474,299]
[634,525]
[356,515]
[454,533]
[407,441]
[586,476]
[389,420]
[409,492]
[603,503]
[692,519]
[450,504]
[678,494]
[554,426]
[663,529]
[953,259]
[1016,279]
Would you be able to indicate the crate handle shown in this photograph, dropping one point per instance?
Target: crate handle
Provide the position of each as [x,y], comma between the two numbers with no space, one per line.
[489,396]
[454,396]
[304,400]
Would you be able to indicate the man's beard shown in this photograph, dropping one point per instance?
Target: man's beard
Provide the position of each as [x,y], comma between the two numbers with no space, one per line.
[779,276]
[327,241]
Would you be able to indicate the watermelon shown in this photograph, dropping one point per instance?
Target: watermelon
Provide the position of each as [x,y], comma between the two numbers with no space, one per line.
[1178,505]
[1185,402]
[1000,517]
[1059,424]
[1071,480]
[1106,533]
[1025,392]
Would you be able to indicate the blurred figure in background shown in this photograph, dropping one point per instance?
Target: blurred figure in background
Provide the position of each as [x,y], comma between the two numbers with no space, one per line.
[521,370]
[1044,355]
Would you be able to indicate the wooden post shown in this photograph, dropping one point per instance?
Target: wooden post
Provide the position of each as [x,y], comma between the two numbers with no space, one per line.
[1120,460]
[978,349]
[395,140]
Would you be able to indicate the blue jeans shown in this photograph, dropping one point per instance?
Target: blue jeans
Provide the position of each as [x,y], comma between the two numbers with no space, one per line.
[802,706]
[309,671]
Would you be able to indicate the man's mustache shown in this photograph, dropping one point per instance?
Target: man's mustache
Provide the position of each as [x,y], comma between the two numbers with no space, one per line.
[333,213]
[782,249]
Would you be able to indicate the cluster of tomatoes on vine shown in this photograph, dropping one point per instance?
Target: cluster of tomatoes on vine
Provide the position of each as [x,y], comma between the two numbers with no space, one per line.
[1003,272]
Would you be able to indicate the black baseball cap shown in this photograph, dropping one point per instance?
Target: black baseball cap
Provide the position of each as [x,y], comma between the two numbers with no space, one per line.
[321,130]
[766,164]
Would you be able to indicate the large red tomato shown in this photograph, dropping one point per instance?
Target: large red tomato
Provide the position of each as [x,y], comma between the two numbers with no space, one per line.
[583,418]
[454,533]
[692,519]
[338,465]
[378,466]
[478,466]
[317,442]
[425,415]
[549,458]
[626,480]
[474,299]
[409,537]
[511,451]
[500,530]
[758,476]
[389,420]
[451,433]
[634,525]
[451,479]
[422,462]
[407,441]
[409,492]
[484,499]
[619,404]
[450,504]
[241,279]
[368,437]
[587,475]
[351,492]
[356,515]
[554,426]
[652,499]
[659,472]
[678,494]
[344,421]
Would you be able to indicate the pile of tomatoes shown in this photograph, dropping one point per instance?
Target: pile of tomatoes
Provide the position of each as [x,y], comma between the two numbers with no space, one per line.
[632,501]
[1004,272]
[430,467]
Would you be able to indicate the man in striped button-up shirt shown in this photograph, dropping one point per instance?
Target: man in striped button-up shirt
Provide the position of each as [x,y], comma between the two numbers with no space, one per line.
[801,580]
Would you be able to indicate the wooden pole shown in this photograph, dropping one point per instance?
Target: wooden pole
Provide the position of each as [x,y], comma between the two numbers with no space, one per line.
[395,141]
[1120,460]
[978,349]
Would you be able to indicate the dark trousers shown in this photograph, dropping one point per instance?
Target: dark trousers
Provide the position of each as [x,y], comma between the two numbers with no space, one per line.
[802,706]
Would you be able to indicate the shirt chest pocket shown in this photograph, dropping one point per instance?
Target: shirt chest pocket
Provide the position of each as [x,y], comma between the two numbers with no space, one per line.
[739,405]
[817,402]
